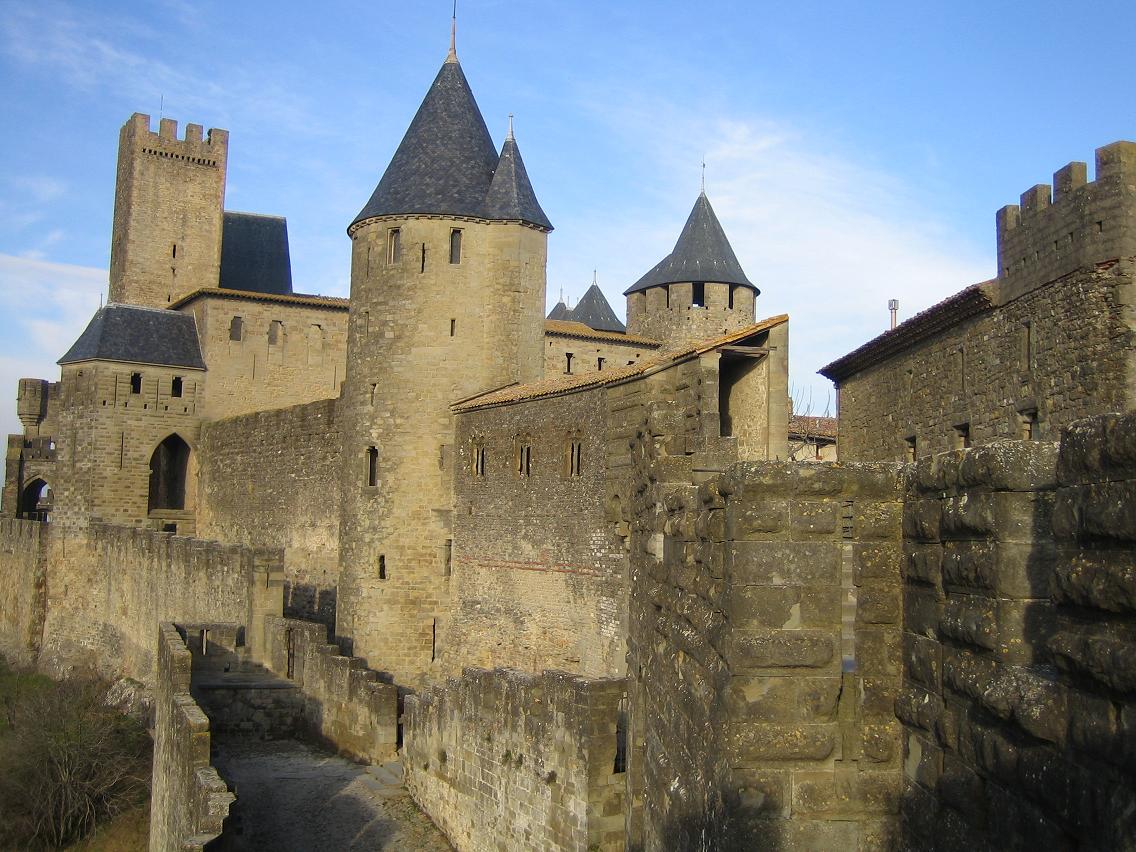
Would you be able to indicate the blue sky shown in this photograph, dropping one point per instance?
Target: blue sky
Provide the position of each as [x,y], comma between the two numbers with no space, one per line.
[855,151]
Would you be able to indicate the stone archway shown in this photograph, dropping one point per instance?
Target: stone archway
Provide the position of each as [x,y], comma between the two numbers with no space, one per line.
[35,501]
[169,466]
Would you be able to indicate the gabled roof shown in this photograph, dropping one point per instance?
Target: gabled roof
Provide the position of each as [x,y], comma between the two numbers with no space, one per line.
[510,195]
[139,335]
[558,385]
[966,303]
[254,253]
[594,311]
[447,164]
[702,253]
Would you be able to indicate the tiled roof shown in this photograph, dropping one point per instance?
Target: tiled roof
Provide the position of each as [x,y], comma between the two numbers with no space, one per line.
[820,427]
[594,311]
[138,335]
[702,253]
[560,312]
[511,196]
[254,253]
[973,300]
[571,383]
[290,299]
[570,328]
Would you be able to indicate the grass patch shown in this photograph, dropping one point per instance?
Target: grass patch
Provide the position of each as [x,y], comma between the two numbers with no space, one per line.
[14,687]
[127,832]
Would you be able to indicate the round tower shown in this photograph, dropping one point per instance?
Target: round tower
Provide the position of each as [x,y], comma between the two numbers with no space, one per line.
[447,301]
[698,291]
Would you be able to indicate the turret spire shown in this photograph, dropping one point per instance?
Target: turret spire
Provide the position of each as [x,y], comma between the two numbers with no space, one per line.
[452,56]
[703,175]
[510,136]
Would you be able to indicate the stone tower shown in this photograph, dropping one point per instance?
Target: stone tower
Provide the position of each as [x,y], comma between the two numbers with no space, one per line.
[696,292]
[447,300]
[168,199]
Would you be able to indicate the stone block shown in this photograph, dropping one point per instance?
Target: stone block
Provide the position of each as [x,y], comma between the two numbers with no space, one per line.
[1104,579]
[962,788]
[814,518]
[818,698]
[756,518]
[785,649]
[1100,510]
[769,699]
[876,560]
[873,520]
[923,660]
[1098,447]
[754,743]
[922,760]
[877,697]
[971,619]
[760,792]
[1001,515]
[923,564]
[917,707]
[922,610]
[878,603]
[880,741]
[878,652]
[1010,569]
[775,563]
[1010,466]
[922,519]
[1110,660]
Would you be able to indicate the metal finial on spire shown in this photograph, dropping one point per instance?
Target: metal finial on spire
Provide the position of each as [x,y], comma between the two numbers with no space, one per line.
[593,277]
[703,175]
[562,294]
[510,136]
[452,56]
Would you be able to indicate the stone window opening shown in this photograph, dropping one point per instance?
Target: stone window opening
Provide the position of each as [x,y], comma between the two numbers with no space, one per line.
[394,245]
[433,639]
[667,291]
[962,369]
[1025,356]
[168,468]
[453,327]
[174,251]
[909,449]
[136,383]
[275,333]
[176,386]
[599,363]
[372,466]
[731,297]
[455,245]
[698,294]
[382,566]
[962,436]
[1028,424]
[524,456]
[620,738]
[374,390]
[477,467]
[447,557]
[422,268]
[573,456]
[568,363]
[236,329]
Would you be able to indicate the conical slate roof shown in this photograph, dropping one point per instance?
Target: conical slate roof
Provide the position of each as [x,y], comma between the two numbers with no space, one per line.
[594,311]
[139,336]
[560,312]
[447,164]
[510,194]
[702,253]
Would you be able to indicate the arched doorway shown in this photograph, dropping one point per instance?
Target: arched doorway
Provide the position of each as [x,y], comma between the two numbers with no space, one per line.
[168,467]
[35,501]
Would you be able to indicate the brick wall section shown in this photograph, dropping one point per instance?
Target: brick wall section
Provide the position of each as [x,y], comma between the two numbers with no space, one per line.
[306,363]
[109,587]
[269,480]
[505,760]
[188,799]
[977,372]
[1019,659]
[765,648]
[343,703]
[23,589]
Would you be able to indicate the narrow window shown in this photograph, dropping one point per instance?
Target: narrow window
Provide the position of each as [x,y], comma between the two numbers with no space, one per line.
[698,294]
[175,386]
[275,332]
[621,738]
[568,362]
[433,639]
[447,557]
[236,329]
[453,327]
[394,245]
[1025,355]
[382,567]
[599,363]
[372,466]
[962,370]
[456,245]
[732,288]
[174,251]
[524,457]
[909,448]
[962,436]
[477,460]
[573,455]
[374,390]
[1030,427]
[136,383]
[423,267]
[667,290]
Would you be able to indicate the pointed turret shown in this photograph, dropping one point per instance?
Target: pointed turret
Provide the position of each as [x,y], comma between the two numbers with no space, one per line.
[510,195]
[697,291]
[560,312]
[594,311]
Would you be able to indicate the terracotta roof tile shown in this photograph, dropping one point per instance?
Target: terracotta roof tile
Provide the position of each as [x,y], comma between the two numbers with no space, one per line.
[805,425]
[570,328]
[289,299]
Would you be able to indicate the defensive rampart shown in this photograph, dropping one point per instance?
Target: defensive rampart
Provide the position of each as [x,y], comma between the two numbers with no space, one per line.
[22,590]
[506,760]
[189,801]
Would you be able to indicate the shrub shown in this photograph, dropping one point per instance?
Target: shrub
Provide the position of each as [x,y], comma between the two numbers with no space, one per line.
[67,761]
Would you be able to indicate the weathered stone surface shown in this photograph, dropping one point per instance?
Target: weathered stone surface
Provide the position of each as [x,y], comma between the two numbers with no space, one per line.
[773,563]
[1105,579]
[811,649]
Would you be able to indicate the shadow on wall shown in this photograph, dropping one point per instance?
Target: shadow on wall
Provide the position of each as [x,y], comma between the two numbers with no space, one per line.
[310,602]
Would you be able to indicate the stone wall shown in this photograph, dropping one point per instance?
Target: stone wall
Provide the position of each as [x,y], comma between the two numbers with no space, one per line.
[589,350]
[301,360]
[667,313]
[1020,664]
[989,373]
[269,480]
[108,588]
[343,704]
[22,589]
[505,760]
[188,799]
[765,659]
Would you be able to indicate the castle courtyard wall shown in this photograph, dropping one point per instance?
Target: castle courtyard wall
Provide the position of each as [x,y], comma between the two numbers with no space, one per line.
[587,350]
[269,480]
[506,760]
[988,372]
[303,359]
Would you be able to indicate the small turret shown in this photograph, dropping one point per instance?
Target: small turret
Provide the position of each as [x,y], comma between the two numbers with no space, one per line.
[696,292]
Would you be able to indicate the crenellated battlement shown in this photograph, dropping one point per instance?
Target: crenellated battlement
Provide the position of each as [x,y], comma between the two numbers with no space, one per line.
[206,149]
[1071,223]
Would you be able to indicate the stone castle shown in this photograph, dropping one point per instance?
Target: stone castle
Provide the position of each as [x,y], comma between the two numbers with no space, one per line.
[566,568]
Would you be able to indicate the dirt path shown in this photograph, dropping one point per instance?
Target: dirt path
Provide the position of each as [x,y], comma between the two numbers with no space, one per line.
[292,796]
